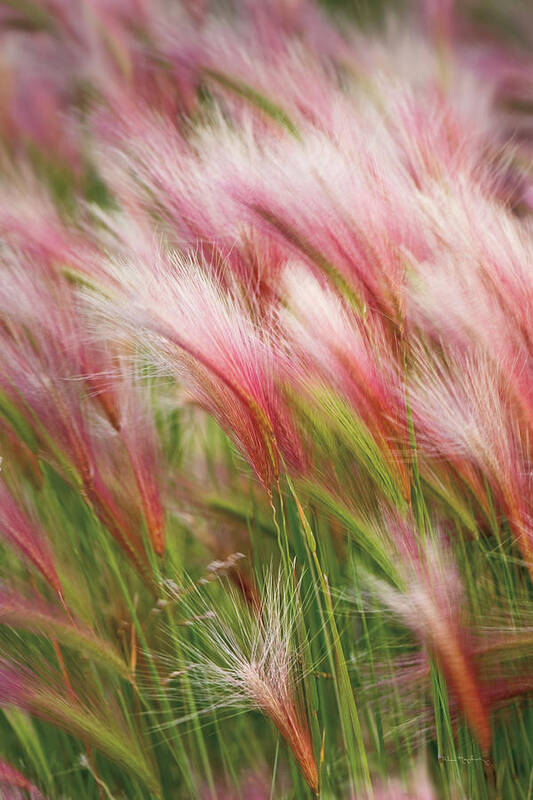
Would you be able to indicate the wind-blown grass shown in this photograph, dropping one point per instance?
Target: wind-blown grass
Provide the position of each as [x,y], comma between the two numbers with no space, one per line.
[265,400]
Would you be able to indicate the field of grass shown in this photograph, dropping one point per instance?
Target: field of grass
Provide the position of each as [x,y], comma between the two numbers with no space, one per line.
[266,358]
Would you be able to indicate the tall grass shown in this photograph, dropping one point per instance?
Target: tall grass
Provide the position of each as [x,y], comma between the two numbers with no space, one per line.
[265,400]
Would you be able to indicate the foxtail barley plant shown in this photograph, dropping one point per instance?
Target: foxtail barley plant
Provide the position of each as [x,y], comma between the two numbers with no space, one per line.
[266,405]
